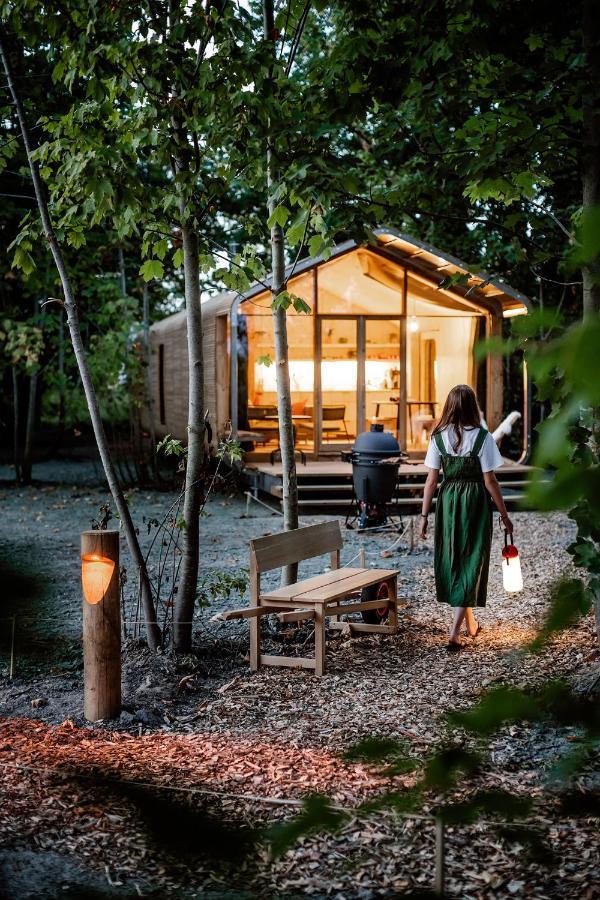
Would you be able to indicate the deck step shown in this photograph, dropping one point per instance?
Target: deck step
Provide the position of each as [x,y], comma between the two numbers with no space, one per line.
[400,501]
[277,489]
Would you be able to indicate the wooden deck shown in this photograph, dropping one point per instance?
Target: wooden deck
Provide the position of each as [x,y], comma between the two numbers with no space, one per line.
[325,467]
[326,485]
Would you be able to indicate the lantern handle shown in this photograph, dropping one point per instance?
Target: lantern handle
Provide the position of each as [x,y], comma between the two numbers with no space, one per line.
[506,537]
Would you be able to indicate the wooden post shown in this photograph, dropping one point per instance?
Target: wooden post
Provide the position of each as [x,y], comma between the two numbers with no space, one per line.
[101,625]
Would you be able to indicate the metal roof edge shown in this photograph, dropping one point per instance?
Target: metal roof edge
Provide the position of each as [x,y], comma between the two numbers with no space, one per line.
[429,248]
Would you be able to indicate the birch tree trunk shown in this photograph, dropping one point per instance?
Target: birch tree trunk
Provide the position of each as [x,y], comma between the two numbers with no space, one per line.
[147,389]
[282,370]
[188,581]
[70,306]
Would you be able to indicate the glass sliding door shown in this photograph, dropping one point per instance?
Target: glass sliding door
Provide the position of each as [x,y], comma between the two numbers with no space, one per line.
[382,373]
[336,415]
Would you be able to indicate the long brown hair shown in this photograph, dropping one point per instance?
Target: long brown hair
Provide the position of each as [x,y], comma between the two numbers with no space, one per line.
[461,410]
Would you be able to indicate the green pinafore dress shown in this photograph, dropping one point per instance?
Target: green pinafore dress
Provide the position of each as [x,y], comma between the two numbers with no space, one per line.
[463,528]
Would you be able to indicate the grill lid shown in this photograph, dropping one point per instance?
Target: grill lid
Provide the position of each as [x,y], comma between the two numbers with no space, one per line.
[376,443]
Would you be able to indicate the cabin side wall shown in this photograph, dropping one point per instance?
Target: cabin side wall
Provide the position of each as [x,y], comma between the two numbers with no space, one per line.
[168,379]
[168,376]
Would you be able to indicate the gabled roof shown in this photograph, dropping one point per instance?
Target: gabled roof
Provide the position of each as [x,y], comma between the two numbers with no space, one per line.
[437,265]
[407,251]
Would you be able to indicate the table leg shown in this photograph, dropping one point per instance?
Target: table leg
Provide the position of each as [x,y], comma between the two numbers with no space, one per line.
[319,639]
[393,598]
[254,622]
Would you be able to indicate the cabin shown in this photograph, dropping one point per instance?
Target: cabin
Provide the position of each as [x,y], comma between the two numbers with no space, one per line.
[387,336]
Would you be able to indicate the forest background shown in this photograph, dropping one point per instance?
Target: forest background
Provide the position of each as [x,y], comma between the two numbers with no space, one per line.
[177,149]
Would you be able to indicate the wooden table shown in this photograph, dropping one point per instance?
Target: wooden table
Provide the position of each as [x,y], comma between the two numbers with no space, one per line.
[330,596]
[409,406]
[333,594]
[294,434]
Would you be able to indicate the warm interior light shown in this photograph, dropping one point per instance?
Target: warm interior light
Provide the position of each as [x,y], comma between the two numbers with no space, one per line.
[96,573]
[515,311]
[301,376]
[413,325]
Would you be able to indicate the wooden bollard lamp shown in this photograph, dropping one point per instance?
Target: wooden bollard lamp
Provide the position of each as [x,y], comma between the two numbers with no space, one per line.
[101,625]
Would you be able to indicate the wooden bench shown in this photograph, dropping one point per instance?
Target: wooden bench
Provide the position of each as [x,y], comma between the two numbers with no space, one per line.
[330,595]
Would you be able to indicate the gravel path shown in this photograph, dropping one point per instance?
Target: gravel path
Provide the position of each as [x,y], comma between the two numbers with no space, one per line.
[374,685]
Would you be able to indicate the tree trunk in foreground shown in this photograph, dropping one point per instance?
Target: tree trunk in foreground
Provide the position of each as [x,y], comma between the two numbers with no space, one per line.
[188,581]
[152,629]
[27,465]
[16,424]
[282,369]
[591,145]
[591,173]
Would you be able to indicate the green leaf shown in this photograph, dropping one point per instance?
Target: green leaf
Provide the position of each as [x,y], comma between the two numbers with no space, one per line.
[178,258]
[160,249]
[265,360]
[152,268]
[501,705]
[300,305]
[283,300]
[373,749]
[315,245]
[317,815]
[442,769]
[279,216]
[23,260]
[491,802]
[295,232]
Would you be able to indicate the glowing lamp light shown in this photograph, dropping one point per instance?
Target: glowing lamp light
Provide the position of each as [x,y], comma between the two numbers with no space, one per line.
[413,325]
[511,567]
[96,573]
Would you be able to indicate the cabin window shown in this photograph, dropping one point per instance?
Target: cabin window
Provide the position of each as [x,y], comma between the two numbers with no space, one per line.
[256,370]
[382,343]
[440,336]
[161,383]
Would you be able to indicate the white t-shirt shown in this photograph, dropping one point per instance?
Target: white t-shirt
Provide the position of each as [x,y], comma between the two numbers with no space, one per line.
[489,455]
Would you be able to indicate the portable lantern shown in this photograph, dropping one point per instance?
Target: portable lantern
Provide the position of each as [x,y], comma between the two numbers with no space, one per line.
[96,573]
[511,566]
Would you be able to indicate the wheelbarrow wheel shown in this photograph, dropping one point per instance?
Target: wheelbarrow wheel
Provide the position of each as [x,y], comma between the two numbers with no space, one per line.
[379,615]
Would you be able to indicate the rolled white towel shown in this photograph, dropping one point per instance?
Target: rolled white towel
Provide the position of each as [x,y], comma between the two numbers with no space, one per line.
[506,426]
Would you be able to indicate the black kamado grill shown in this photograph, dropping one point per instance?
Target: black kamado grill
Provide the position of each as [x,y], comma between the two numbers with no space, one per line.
[375,459]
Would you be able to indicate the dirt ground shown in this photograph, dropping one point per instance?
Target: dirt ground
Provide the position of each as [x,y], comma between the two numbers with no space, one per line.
[272,736]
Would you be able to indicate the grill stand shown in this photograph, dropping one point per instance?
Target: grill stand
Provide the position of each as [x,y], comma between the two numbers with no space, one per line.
[392,523]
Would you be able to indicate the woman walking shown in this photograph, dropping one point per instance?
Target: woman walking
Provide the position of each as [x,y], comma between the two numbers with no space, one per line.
[463,519]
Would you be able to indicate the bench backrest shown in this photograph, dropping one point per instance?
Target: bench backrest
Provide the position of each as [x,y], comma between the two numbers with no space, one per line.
[288,547]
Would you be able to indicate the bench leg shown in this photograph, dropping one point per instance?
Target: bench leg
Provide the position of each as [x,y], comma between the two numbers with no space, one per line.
[393,596]
[255,644]
[319,640]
